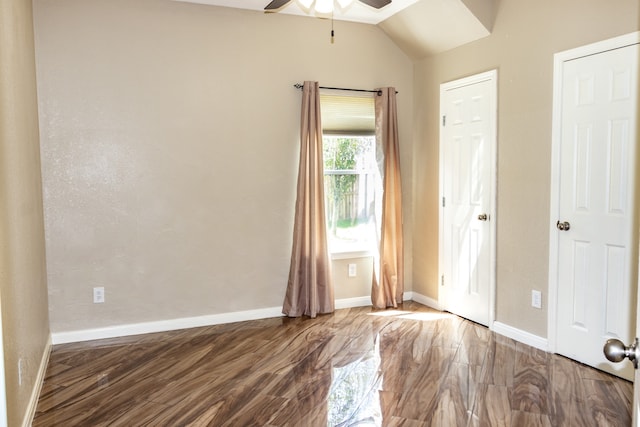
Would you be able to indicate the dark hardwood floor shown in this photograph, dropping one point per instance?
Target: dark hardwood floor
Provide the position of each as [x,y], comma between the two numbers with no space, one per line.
[407,367]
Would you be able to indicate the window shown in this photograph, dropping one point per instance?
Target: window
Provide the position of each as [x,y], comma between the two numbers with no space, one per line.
[349,182]
[351,178]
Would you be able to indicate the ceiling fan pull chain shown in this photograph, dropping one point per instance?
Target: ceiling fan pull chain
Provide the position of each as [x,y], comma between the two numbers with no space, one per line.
[332,27]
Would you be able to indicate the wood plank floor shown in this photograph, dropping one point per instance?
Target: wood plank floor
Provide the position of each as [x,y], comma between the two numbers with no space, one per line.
[407,367]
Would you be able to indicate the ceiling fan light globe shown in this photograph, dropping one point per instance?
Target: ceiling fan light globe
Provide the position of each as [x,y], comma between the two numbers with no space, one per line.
[324,6]
[305,3]
[344,3]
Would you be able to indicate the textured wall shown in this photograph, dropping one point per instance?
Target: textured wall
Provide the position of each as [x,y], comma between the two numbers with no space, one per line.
[353,287]
[170,150]
[525,37]
[23,286]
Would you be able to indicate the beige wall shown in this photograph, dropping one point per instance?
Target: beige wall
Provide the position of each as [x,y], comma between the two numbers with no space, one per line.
[525,36]
[356,286]
[170,148]
[23,287]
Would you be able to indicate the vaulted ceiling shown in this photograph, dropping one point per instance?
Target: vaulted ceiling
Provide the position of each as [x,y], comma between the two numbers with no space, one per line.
[419,27]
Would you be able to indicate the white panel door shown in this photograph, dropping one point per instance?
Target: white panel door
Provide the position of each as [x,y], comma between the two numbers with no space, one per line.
[635,408]
[467,143]
[597,251]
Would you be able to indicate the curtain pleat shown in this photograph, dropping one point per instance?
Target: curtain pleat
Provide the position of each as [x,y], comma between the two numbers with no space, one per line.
[309,289]
[388,277]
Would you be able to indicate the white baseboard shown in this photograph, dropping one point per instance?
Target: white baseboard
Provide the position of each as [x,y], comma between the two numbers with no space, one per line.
[185,322]
[365,301]
[499,328]
[352,302]
[164,325]
[429,302]
[521,336]
[37,386]
[263,313]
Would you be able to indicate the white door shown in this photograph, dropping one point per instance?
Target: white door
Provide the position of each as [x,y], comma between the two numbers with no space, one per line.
[594,225]
[635,404]
[635,408]
[467,177]
[618,354]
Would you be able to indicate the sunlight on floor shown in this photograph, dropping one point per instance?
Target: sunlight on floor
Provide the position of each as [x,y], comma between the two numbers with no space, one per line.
[428,316]
[413,315]
[389,313]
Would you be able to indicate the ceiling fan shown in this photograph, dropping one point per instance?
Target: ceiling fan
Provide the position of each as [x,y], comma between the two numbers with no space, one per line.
[277,4]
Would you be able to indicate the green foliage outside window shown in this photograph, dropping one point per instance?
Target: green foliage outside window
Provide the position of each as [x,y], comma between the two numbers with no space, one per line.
[340,162]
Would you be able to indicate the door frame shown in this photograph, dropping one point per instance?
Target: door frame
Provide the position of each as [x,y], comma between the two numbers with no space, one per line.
[492,77]
[559,60]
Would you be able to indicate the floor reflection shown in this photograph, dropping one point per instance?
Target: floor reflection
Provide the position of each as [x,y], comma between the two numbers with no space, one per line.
[409,367]
[427,316]
[353,397]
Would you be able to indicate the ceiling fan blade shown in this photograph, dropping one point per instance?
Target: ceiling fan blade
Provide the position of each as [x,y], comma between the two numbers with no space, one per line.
[276,4]
[378,4]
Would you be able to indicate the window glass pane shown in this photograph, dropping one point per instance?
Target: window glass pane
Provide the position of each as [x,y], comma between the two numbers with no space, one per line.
[350,182]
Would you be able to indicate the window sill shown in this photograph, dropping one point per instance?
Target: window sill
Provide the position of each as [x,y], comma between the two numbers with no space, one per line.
[351,254]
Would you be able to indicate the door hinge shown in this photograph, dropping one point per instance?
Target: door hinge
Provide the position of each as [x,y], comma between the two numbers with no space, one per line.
[442,280]
[443,202]
[444,120]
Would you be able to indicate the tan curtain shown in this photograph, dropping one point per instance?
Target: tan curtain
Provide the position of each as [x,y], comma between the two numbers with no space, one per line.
[388,276]
[309,290]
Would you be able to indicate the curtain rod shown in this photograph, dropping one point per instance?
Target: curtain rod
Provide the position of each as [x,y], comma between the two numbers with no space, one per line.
[378,92]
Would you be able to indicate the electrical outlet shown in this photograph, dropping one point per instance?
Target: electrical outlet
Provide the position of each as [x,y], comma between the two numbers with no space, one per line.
[98,295]
[352,270]
[536,299]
